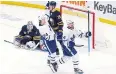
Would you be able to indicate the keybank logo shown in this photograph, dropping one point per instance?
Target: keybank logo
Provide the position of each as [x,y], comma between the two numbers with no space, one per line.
[104,8]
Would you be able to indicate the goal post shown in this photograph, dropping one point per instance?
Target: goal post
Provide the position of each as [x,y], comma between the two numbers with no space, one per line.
[82,13]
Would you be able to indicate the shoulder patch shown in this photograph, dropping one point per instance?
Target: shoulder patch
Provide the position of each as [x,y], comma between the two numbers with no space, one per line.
[59,17]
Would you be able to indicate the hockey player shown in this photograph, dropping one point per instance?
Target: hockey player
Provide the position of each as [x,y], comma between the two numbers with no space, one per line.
[68,47]
[48,37]
[28,37]
[55,21]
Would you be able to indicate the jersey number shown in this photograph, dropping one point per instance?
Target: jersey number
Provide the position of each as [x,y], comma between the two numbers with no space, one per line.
[46,36]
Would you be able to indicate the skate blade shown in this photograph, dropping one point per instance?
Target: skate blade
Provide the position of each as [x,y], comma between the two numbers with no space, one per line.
[52,68]
[79,73]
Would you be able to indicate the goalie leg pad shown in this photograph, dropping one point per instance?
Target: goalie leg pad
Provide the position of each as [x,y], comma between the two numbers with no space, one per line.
[30,45]
[17,41]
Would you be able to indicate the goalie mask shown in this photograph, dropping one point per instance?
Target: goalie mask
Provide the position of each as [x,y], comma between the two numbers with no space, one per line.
[70,24]
[29,25]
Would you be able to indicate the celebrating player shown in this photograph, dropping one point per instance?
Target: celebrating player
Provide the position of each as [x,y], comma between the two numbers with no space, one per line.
[68,47]
[28,37]
[48,37]
[55,21]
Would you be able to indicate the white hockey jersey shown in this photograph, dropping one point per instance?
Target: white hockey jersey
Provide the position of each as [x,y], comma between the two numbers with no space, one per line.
[70,35]
[47,12]
[47,32]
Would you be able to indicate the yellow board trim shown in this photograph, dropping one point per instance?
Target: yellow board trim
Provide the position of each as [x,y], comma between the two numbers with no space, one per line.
[107,21]
[23,4]
[64,11]
[41,7]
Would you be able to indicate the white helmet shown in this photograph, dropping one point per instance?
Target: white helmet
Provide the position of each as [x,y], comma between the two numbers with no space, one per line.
[30,44]
[69,22]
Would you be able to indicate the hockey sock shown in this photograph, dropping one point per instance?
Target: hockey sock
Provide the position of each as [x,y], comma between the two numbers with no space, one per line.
[52,58]
[57,51]
[75,61]
[63,60]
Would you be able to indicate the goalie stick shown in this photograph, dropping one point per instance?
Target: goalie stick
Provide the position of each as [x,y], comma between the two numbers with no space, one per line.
[17,45]
[8,42]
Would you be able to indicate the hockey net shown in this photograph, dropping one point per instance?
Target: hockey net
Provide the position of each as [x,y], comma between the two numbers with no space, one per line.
[80,18]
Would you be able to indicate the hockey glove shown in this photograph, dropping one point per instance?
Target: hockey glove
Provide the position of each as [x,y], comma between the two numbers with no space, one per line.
[87,34]
[71,44]
[25,40]
[59,36]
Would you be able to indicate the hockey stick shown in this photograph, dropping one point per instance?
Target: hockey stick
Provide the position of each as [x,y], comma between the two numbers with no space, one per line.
[88,31]
[17,45]
[79,45]
[35,46]
[8,42]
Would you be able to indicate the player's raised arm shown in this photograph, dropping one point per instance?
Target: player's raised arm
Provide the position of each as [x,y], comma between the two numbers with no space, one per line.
[82,34]
[79,33]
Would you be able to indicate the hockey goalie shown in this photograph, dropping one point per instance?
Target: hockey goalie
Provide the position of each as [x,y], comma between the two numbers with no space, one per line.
[28,37]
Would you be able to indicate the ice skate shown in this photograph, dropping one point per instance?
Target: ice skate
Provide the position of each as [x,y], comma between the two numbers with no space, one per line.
[54,67]
[78,71]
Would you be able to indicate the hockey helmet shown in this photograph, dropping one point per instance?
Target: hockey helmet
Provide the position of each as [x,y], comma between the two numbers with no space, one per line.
[69,22]
[30,25]
[52,3]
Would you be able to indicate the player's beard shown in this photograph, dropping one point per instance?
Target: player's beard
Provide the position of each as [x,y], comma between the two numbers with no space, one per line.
[71,28]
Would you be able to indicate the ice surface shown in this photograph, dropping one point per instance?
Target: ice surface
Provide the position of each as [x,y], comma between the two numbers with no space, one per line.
[19,61]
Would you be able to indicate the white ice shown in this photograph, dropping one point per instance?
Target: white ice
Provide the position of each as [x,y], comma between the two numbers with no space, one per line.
[19,61]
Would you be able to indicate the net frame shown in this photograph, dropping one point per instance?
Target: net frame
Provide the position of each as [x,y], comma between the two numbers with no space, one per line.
[86,11]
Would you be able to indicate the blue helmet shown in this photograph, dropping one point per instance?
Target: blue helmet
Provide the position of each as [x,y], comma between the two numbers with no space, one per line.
[52,3]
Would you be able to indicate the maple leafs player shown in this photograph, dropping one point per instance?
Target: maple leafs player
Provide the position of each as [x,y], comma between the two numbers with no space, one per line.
[55,21]
[68,48]
[48,37]
[28,37]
